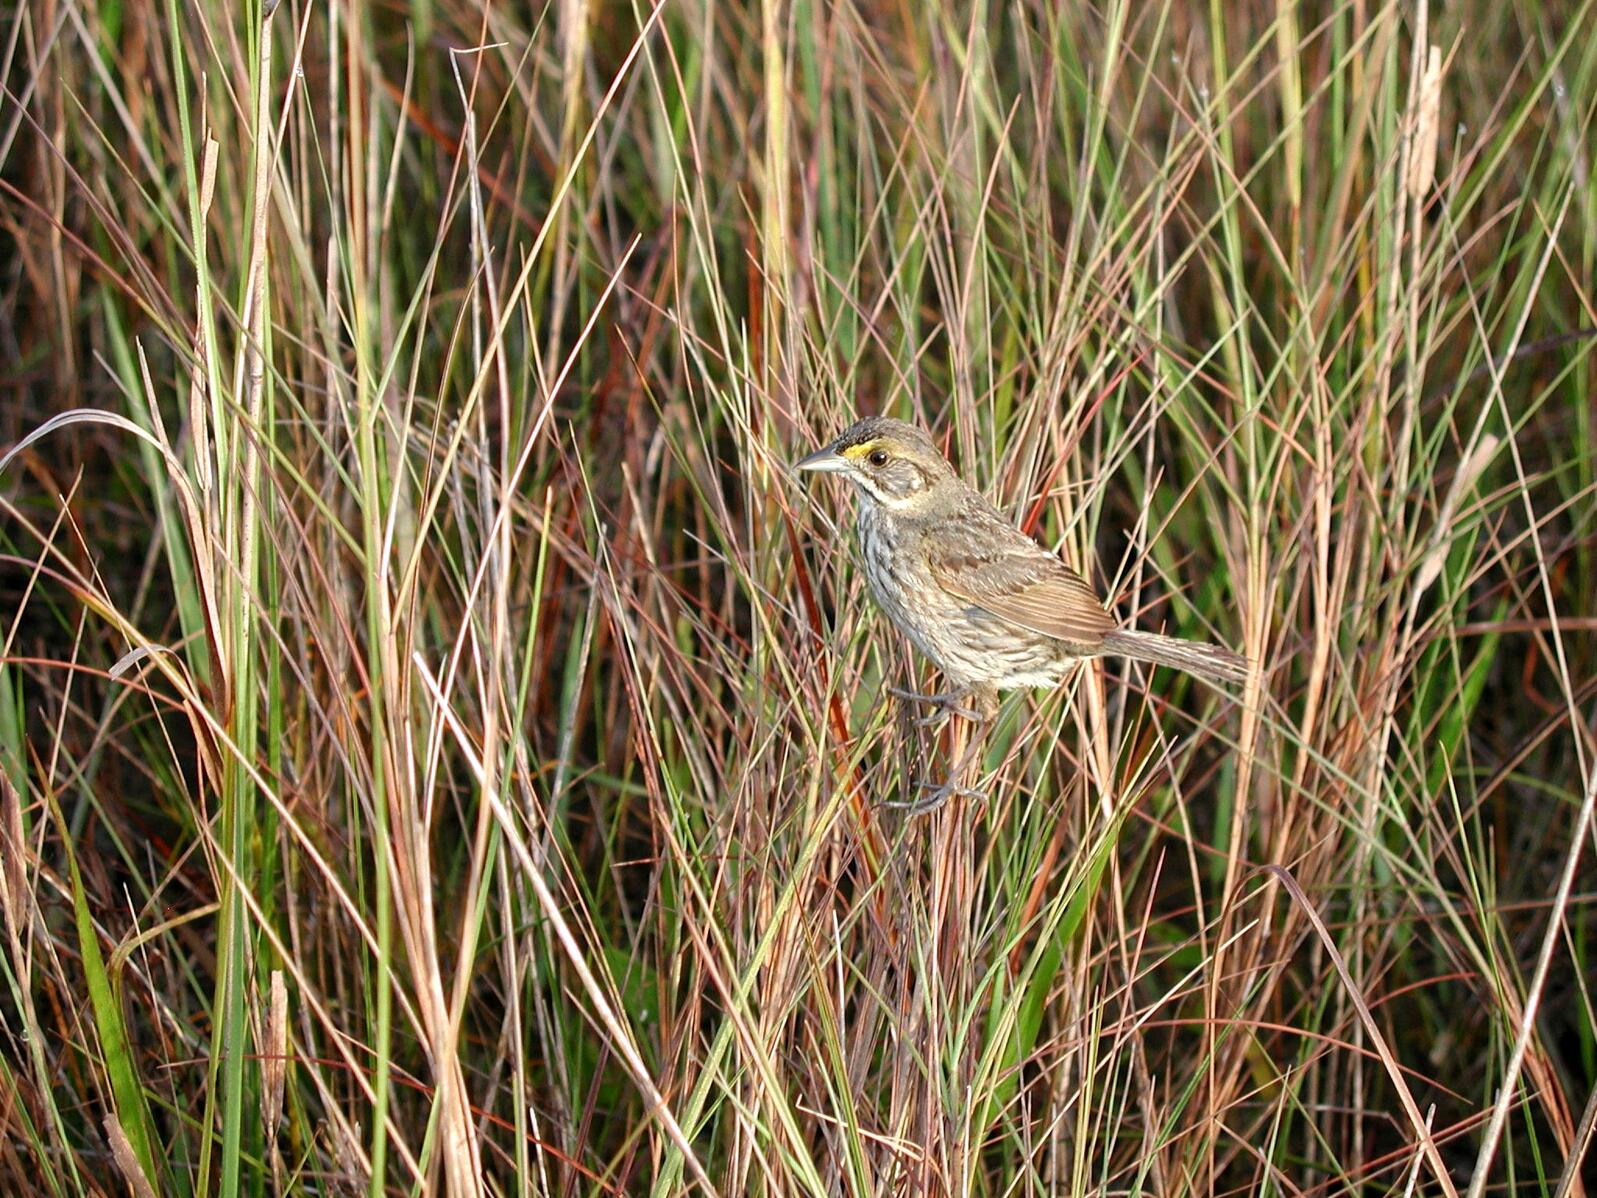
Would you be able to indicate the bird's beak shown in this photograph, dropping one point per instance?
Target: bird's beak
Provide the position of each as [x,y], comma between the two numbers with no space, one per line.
[823,461]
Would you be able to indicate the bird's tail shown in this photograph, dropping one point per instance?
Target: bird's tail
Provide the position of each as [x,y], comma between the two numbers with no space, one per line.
[1195,657]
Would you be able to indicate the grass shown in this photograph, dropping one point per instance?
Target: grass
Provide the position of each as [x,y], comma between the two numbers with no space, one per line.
[443,749]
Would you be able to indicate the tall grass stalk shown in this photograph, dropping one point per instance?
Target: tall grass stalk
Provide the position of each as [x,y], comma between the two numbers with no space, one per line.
[443,749]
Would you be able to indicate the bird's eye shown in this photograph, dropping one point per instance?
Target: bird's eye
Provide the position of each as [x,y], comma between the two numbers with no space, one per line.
[878,457]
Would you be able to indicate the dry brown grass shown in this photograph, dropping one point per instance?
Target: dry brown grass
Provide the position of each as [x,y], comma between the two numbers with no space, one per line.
[442,749]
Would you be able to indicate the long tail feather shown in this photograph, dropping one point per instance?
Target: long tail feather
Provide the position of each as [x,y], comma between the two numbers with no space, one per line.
[1195,657]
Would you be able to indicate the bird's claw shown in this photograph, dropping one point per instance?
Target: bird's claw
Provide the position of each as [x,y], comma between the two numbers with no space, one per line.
[947,704]
[940,793]
[942,699]
[943,714]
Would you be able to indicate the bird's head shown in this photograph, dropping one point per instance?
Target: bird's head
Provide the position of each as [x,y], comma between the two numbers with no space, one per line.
[890,462]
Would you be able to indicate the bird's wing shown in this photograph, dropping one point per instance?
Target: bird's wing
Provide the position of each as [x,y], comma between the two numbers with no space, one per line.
[1014,578]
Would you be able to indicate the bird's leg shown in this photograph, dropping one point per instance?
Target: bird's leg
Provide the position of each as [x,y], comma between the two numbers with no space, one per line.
[967,745]
[940,699]
[947,703]
[938,793]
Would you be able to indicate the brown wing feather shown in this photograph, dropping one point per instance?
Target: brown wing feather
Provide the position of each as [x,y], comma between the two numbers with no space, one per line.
[1011,576]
